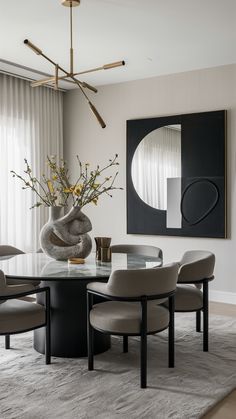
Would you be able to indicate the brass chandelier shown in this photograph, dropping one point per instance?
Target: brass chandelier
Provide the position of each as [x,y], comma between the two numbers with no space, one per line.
[71,76]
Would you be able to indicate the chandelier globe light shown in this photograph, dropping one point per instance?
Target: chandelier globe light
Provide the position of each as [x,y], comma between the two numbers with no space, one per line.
[71,76]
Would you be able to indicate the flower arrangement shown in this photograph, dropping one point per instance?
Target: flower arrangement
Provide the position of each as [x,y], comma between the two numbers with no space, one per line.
[57,189]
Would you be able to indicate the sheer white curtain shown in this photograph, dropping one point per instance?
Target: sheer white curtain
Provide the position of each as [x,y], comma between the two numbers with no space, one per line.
[30,127]
[157,158]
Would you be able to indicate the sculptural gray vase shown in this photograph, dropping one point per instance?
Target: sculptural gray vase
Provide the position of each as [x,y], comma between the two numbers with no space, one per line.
[65,236]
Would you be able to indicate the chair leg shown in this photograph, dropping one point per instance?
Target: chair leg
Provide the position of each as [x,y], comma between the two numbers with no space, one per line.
[125,344]
[48,345]
[143,361]
[143,346]
[90,334]
[171,332]
[205,317]
[198,321]
[90,348]
[7,342]
[48,330]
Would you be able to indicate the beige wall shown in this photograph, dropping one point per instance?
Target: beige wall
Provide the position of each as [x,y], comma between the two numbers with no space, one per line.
[195,91]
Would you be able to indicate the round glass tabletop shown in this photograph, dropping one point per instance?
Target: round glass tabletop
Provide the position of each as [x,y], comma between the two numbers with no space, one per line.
[38,265]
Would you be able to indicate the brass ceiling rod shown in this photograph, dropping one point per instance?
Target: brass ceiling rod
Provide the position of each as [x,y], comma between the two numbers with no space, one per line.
[70,76]
[71,42]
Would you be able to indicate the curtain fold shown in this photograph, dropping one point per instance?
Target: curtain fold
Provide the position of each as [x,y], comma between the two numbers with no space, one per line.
[31,128]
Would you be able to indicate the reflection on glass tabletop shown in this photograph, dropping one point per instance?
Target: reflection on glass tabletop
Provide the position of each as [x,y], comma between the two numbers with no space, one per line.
[38,265]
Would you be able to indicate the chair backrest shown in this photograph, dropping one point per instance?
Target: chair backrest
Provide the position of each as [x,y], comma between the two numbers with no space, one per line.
[196,265]
[10,290]
[6,250]
[138,249]
[2,285]
[139,282]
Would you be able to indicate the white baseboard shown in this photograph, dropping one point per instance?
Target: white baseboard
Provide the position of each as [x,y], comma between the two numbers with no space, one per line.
[222,297]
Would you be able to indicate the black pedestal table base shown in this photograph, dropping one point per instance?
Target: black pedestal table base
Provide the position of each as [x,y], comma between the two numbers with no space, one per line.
[68,321]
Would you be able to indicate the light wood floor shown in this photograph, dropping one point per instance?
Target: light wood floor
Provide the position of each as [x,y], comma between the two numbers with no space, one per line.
[226,409]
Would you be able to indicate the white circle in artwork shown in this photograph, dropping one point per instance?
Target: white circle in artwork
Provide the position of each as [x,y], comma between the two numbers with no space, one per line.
[157,158]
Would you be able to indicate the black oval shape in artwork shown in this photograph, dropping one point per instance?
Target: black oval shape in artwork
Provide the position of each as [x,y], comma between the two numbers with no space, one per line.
[198,200]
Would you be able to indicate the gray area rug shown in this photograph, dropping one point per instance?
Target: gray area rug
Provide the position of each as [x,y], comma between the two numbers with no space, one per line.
[65,389]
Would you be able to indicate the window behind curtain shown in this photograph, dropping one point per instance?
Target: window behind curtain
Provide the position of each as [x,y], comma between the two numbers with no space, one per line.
[30,127]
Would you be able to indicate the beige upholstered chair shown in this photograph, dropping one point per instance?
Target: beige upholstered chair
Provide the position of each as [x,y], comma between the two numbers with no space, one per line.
[195,271]
[18,316]
[132,309]
[137,249]
[6,252]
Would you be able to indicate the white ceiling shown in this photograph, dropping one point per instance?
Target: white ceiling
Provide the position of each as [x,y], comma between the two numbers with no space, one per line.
[154,37]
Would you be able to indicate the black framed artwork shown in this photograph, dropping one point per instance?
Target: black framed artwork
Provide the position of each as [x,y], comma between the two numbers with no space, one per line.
[176,175]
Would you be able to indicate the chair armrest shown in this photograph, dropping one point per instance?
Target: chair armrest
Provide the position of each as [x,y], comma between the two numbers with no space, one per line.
[9,289]
[101,289]
[98,287]
[15,289]
[109,296]
[24,293]
[20,281]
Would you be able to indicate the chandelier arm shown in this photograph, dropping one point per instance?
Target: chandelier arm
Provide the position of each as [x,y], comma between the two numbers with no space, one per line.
[88,86]
[89,71]
[104,67]
[82,83]
[92,107]
[52,62]
[79,84]
[97,115]
[29,44]
[51,79]
[38,51]
[113,65]
[37,83]
[64,78]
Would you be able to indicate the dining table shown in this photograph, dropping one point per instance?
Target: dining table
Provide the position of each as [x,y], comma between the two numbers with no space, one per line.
[68,283]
